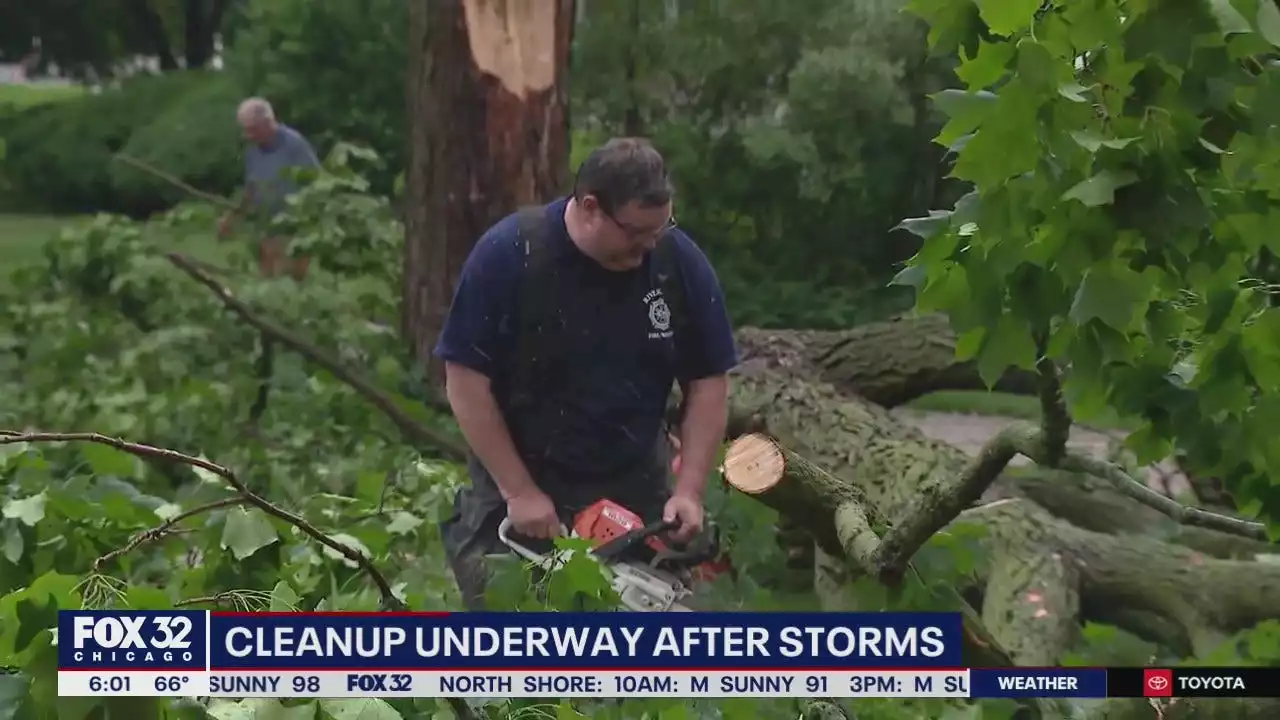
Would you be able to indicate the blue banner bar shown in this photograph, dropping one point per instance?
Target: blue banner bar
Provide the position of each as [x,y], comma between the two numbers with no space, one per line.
[1038,683]
[194,640]
[597,641]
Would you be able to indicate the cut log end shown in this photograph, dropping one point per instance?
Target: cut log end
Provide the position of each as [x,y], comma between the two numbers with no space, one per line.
[754,464]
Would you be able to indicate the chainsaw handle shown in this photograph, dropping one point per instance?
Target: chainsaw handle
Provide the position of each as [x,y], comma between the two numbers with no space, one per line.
[504,534]
[630,539]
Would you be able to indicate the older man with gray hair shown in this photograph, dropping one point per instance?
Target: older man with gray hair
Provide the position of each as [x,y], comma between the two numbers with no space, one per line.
[273,151]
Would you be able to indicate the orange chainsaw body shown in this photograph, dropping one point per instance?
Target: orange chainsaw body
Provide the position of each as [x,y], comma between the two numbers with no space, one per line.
[606,520]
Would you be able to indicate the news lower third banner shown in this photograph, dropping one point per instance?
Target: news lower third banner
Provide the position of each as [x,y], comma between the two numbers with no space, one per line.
[611,655]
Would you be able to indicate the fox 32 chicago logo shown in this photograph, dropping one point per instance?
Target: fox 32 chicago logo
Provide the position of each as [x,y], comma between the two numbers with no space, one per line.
[131,638]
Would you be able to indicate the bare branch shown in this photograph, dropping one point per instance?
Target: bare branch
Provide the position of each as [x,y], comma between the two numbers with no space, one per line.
[209,197]
[165,528]
[1055,420]
[1183,515]
[413,431]
[932,512]
[389,599]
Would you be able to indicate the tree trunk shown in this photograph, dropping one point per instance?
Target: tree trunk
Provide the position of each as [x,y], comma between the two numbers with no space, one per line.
[488,101]
[889,363]
[201,19]
[152,28]
[841,467]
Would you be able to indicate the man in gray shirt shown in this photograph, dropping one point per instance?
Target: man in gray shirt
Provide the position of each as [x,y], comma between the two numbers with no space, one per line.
[274,151]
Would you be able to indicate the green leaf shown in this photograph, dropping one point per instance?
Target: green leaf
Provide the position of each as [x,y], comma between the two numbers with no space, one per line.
[1093,142]
[140,597]
[349,541]
[1229,19]
[13,689]
[28,510]
[247,531]
[1006,17]
[1073,92]
[565,711]
[1006,145]
[260,709]
[1009,344]
[1269,21]
[358,709]
[1111,293]
[1101,188]
[965,112]
[403,523]
[1260,350]
[283,598]
[369,486]
[988,66]
[926,227]
[968,344]
[13,544]
[107,460]
[168,511]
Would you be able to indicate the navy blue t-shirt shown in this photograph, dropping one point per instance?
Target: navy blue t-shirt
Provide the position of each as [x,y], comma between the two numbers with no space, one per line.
[619,359]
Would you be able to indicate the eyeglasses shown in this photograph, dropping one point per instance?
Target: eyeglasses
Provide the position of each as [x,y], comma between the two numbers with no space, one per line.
[634,233]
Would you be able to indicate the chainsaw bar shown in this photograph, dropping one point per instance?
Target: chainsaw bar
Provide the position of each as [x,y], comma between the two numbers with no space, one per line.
[640,587]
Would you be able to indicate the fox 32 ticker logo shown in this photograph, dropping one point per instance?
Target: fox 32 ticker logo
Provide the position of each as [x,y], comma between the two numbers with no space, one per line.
[130,638]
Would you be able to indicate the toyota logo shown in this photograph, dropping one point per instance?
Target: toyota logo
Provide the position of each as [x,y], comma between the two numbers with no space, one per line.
[1155,682]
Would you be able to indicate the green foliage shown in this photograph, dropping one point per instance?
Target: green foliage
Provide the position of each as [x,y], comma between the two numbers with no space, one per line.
[61,159]
[797,134]
[332,70]
[105,335]
[194,137]
[23,96]
[1121,158]
[361,235]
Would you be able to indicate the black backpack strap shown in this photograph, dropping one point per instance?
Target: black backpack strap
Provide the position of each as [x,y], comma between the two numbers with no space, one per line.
[670,276]
[535,314]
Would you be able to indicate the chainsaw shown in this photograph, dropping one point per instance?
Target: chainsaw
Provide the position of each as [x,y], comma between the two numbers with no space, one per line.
[648,574]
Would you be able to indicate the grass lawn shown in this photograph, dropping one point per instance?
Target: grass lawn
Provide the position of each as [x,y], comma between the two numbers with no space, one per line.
[28,95]
[23,237]
[979,402]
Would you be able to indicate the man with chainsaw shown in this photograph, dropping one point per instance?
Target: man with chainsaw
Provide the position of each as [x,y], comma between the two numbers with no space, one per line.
[568,326]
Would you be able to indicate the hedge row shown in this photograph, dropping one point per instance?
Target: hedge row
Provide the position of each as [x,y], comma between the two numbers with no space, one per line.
[60,156]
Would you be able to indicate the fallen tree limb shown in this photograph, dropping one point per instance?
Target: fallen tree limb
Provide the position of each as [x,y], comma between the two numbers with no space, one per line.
[1042,576]
[174,181]
[889,363]
[1173,589]
[413,431]
[389,599]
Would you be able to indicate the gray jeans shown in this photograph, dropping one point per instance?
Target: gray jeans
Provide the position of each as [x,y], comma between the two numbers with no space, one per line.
[471,532]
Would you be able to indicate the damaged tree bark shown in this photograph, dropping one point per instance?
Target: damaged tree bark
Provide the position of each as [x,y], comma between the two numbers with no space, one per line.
[488,101]
[842,466]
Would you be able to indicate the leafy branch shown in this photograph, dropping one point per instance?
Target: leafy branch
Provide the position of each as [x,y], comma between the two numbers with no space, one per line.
[166,528]
[389,600]
[930,515]
[414,432]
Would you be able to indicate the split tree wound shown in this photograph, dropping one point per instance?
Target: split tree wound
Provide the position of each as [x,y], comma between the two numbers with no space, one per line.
[514,42]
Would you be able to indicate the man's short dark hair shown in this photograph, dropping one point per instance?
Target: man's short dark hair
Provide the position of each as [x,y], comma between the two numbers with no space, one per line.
[623,170]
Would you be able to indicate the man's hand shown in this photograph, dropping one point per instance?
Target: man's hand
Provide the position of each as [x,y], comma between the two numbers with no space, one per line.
[533,514]
[688,512]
